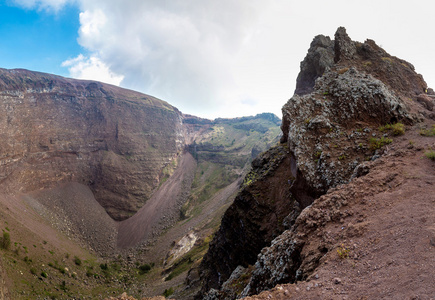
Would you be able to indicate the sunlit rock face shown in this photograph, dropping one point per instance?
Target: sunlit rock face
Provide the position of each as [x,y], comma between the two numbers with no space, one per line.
[114,140]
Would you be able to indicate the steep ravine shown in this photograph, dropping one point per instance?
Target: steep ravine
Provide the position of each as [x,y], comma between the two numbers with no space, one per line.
[346,91]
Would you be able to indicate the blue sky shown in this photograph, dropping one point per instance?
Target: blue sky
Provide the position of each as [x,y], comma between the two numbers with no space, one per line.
[208,58]
[38,40]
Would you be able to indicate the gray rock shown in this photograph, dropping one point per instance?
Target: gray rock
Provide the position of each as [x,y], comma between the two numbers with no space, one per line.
[320,58]
[344,47]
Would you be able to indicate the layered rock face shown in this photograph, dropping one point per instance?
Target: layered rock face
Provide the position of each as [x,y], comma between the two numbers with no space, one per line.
[344,92]
[114,140]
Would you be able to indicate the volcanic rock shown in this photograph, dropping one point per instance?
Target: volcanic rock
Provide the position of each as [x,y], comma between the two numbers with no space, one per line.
[344,92]
[58,130]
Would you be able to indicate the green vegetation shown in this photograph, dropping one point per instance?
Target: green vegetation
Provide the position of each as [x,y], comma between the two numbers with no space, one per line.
[428,132]
[77,261]
[143,269]
[375,143]
[5,241]
[343,252]
[342,157]
[167,171]
[430,154]
[396,129]
[388,60]
[168,292]
[62,286]
[56,266]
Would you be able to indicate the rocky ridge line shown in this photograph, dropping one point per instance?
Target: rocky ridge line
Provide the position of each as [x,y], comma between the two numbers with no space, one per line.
[344,92]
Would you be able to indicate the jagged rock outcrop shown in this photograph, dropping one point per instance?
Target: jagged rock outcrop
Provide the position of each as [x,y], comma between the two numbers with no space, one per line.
[344,92]
[324,129]
[55,129]
[319,59]
[343,111]
[328,130]
[367,57]
[253,220]
[344,47]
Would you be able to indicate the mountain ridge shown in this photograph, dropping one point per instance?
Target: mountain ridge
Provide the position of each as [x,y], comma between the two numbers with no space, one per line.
[347,95]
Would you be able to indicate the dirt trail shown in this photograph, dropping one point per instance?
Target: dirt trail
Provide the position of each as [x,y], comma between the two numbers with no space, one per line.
[162,209]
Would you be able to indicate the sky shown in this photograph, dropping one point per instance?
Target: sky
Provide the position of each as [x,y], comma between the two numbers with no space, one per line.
[209,58]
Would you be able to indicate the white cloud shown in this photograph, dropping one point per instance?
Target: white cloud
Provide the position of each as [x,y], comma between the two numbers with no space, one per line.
[91,68]
[231,58]
[184,52]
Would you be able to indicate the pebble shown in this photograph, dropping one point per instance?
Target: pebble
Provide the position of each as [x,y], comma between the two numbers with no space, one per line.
[337,280]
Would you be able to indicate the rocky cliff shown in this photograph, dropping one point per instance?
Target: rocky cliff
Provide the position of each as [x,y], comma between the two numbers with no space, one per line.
[348,96]
[59,130]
